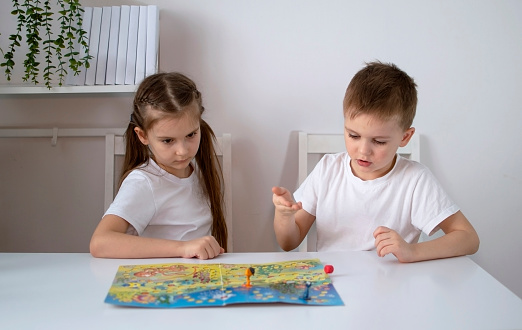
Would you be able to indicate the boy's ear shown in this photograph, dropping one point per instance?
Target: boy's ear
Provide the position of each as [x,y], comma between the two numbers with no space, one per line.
[406,136]
[141,135]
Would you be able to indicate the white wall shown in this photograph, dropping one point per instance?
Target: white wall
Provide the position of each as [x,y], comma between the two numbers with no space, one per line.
[270,68]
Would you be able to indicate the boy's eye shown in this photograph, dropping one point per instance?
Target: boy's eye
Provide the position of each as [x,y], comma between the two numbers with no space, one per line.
[167,141]
[379,142]
[353,136]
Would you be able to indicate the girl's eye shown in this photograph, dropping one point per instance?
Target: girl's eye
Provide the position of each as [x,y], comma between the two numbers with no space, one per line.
[191,135]
[167,141]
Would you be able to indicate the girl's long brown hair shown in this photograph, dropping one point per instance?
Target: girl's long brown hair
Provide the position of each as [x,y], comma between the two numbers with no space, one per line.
[170,94]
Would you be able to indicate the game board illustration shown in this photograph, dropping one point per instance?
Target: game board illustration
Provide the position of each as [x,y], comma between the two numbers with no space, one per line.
[190,285]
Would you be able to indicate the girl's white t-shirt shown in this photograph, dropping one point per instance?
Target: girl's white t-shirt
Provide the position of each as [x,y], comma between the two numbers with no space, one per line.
[158,204]
[408,199]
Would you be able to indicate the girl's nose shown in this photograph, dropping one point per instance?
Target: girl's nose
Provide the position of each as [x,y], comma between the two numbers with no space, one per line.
[181,149]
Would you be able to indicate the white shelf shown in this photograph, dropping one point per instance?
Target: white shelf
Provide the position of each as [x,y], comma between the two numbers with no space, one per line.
[31,89]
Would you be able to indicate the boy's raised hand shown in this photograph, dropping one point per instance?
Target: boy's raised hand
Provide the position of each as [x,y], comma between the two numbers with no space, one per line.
[389,241]
[283,201]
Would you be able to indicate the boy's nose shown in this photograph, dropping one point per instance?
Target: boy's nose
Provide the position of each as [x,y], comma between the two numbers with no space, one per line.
[365,148]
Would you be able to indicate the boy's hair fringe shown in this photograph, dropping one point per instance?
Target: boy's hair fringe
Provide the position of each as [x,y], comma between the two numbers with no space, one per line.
[382,90]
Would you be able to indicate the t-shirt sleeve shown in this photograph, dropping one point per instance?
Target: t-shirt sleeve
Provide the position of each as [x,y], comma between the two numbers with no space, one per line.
[430,203]
[134,201]
[307,193]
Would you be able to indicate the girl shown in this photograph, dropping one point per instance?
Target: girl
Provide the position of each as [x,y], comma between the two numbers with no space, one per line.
[167,205]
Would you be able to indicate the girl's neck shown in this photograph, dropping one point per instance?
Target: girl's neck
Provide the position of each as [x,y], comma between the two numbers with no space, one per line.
[187,172]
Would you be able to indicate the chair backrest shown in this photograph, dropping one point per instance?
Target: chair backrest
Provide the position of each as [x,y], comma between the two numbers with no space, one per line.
[115,146]
[333,143]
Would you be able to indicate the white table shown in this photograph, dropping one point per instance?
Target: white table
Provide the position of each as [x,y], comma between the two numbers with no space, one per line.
[66,291]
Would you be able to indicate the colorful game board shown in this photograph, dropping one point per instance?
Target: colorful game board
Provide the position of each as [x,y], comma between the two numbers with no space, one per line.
[190,285]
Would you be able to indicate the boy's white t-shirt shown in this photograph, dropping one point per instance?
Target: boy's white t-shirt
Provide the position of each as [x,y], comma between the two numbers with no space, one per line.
[408,199]
[158,204]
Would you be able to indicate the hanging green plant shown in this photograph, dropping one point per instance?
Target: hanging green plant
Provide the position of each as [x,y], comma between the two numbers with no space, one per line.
[60,52]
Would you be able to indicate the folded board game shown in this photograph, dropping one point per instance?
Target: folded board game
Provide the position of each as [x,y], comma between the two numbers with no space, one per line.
[176,285]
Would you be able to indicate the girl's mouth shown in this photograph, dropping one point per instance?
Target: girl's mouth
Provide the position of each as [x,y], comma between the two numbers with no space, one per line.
[181,161]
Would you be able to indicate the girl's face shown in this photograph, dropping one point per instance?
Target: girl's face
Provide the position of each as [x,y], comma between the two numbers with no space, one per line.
[174,141]
[372,144]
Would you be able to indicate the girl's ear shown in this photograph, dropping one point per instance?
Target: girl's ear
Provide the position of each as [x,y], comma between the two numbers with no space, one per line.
[407,136]
[141,135]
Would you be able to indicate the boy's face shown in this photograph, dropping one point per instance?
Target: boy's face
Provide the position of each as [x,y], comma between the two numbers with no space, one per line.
[372,144]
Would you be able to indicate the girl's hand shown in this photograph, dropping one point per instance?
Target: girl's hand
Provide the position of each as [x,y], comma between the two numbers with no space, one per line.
[202,248]
[389,241]
[284,203]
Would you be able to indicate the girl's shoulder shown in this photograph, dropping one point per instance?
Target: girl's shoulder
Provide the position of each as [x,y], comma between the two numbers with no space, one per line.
[149,167]
[144,173]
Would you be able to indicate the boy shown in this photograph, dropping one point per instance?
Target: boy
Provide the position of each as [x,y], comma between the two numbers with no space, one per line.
[370,197]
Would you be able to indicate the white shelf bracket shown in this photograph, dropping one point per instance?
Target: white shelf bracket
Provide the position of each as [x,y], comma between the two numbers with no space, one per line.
[54,139]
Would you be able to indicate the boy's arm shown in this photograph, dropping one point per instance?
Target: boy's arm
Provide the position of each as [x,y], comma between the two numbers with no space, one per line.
[291,222]
[460,239]
[111,241]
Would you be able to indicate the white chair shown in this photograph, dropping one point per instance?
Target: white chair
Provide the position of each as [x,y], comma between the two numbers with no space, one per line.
[321,144]
[115,146]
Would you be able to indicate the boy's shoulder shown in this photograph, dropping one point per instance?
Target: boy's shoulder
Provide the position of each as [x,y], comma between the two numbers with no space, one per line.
[335,160]
[333,165]
[407,168]
[405,162]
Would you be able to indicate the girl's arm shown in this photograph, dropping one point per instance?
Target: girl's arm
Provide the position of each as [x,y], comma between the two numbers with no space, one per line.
[291,222]
[111,241]
[460,239]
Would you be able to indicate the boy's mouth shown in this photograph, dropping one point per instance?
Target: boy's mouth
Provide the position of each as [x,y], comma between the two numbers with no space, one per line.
[363,163]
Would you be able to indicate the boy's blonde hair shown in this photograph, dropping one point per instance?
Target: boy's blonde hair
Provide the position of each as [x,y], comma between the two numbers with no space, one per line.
[384,91]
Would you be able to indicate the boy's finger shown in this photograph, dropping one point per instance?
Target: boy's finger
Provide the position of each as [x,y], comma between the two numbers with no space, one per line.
[297,206]
[278,190]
